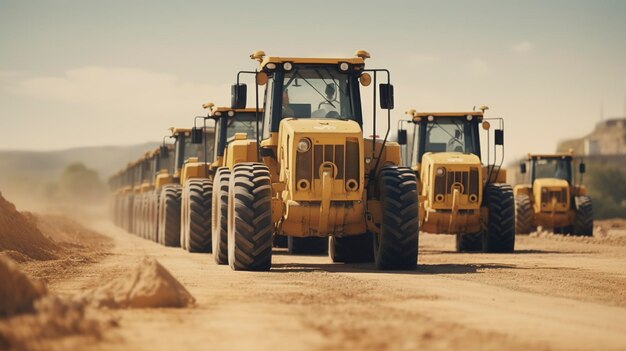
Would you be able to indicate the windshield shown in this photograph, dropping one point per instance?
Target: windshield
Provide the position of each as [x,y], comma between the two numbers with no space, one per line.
[197,150]
[559,168]
[317,92]
[242,122]
[449,134]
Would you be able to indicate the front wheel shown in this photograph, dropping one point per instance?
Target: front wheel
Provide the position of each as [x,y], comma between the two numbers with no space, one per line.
[397,244]
[523,214]
[352,249]
[219,221]
[197,215]
[500,233]
[250,226]
[583,220]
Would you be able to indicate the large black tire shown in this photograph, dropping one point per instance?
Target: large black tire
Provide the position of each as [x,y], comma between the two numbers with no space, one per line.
[583,220]
[396,246]
[219,216]
[469,242]
[153,214]
[281,241]
[129,207]
[250,224]
[523,215]
[169,215]
[352,249]
[500,233]
[313,245]
[197,223]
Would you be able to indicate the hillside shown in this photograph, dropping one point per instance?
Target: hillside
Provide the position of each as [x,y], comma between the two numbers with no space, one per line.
[33,172]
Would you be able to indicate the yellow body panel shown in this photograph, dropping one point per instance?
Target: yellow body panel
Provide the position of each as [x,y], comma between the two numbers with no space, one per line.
[316,60]
[192,168]
[163,178]
[451,202]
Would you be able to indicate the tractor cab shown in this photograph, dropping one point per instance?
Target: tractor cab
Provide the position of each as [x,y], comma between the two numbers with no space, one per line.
[552,198]
[455,179]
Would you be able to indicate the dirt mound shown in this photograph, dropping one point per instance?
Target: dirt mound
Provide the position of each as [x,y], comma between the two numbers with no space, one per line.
[148,285]
[17,292]
[53,319]
[29,316]
[19,232]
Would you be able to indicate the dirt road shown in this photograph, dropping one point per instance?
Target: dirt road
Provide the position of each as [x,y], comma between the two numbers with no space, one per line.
[555,293]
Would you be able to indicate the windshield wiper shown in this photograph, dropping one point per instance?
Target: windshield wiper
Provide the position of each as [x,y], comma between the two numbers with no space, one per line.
[311,85]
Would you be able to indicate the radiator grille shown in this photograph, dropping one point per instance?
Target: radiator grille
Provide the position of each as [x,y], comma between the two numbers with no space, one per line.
[345,157]
[468,181]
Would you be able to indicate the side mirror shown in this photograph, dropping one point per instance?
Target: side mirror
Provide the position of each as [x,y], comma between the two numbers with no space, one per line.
[582,168]
[499,136]
[386,96]
[402,136]
[522,167]
[196,135]
[238,96]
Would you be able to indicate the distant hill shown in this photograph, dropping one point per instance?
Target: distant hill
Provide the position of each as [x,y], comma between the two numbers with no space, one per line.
[104,159]
[30,171]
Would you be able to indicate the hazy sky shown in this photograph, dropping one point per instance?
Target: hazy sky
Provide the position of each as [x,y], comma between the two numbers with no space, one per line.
[78,73]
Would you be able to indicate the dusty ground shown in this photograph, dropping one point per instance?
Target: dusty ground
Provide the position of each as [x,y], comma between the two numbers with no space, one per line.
[554,293]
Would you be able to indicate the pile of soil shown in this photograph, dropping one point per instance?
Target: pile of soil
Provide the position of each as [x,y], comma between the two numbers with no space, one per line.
[147,285]
[19,235]
[29,315]
[17,292]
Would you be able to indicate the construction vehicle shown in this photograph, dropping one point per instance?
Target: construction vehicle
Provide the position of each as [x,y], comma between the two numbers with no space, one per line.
[460,192]
[161,167]
[232,127]
[552,199]
[311,173]
[196,181]
[169,230]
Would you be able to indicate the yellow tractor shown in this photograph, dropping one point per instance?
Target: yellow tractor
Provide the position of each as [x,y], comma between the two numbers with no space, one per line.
[552,199]
[186,166]
[311,173]
[460,193]
[161,169]
[232,126]
[196,180]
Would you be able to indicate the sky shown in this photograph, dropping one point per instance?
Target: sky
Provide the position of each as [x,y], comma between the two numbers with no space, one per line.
[86,73]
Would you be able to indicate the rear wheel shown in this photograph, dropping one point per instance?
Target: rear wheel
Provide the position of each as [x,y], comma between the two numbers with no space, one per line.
[352,249]
[583,220]
[500,233]
[280,241]
[396,245]
[469,242]
[219,221]
[197,220]
[250,224]
[523,215]
[312,245]
[169,215]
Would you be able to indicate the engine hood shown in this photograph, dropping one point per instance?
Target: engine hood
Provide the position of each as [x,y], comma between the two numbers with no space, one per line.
[550,183]
[453,158]
[319,126]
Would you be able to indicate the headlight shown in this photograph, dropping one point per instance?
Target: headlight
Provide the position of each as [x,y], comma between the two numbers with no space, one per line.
[440,171]
[231,113]
[470,117]
[287,66]
[304,145]
[544,190]
[218,114]
[344,66]
[270,66]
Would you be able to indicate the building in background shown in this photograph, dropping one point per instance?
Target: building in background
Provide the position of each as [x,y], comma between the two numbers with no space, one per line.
[607,139]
